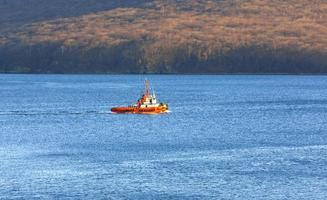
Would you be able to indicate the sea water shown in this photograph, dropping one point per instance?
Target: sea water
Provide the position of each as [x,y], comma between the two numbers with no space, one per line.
[226,137]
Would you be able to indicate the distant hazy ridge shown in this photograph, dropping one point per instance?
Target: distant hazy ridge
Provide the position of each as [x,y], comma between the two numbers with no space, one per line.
[163,36]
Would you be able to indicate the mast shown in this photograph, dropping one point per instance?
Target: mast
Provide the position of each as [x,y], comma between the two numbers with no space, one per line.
[147,88]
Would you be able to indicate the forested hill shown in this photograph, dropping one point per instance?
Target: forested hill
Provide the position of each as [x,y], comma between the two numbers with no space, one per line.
[163,36]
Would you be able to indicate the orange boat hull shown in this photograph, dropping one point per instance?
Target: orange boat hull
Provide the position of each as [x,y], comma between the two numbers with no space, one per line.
[138,110]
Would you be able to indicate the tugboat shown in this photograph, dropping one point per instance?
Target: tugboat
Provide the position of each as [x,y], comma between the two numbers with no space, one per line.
[147,104]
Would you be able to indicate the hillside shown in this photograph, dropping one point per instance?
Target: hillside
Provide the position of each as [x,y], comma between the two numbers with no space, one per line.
[163,36]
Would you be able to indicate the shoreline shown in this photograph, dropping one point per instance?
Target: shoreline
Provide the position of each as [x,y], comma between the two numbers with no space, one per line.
[180,74]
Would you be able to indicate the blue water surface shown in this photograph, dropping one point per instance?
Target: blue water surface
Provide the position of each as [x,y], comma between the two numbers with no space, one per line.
[226,137]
